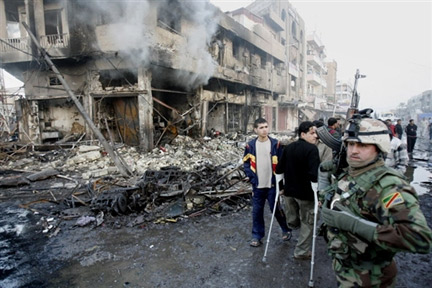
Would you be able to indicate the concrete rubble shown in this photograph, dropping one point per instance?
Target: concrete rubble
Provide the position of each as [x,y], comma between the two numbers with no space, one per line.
[185,178]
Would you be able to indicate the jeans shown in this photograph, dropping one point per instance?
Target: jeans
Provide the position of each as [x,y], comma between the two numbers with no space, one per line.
[259,198]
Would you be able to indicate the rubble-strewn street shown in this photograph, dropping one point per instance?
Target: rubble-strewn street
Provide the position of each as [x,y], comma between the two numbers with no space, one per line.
[190,228]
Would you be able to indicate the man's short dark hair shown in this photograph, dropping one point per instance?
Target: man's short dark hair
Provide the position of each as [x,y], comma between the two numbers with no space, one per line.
[304,127]
[331,121]
[318,123]
[259,121]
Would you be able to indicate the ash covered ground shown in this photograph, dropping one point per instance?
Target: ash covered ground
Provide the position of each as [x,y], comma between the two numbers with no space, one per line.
[204,251]
[42,243]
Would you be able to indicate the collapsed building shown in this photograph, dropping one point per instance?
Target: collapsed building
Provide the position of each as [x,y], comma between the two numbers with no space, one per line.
[146,71]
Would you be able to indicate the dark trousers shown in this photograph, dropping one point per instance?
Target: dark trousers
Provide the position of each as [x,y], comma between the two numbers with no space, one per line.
[411,143]
[259,198]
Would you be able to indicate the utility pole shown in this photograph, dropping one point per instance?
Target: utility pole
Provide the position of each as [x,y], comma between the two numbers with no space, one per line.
[123,169]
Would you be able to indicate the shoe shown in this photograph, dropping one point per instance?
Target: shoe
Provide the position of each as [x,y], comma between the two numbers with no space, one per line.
[255,243]
[286,236]
[306,256]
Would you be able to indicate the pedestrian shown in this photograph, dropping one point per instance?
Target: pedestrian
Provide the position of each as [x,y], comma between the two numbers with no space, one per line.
[398,129]
[260,158]
[333,126]
[411,133]
[299,164]
[325,152]
[371,212]
[391,126]
[397,158]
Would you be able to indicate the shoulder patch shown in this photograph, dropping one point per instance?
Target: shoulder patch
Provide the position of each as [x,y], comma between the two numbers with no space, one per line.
[393,199]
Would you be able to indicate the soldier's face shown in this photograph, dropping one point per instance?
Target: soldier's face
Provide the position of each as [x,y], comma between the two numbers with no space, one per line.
[361,153]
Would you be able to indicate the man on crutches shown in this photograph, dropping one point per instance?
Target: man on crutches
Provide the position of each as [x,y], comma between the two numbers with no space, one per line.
[260,158]
[299,163]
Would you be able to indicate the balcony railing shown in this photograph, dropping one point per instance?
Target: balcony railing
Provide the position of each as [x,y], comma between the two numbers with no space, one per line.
[12,44]
[55,40]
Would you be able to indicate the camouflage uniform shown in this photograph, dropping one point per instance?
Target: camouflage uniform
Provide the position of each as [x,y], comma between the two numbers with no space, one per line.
[379,195]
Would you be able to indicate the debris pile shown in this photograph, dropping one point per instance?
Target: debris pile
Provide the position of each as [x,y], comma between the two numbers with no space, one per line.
[187,177]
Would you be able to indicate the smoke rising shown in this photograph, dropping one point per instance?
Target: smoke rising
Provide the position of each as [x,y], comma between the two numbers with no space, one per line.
[131,31]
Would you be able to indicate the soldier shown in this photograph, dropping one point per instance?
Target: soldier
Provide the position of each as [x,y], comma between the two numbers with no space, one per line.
[371,212]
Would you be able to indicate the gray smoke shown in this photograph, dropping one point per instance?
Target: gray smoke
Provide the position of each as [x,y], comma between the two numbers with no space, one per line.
[133,35]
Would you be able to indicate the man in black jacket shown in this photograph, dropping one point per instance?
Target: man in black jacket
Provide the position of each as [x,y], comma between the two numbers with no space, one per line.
[299,163]
[398,128]
[411,133]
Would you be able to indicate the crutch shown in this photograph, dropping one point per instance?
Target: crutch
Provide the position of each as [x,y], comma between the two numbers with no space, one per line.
[311,281]
[279,177]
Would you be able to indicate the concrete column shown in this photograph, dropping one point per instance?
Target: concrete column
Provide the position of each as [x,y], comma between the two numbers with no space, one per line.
[39,16]
[3,22]
[145,109]
[204,112]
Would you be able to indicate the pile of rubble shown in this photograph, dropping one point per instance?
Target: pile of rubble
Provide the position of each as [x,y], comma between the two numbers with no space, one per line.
[187,177]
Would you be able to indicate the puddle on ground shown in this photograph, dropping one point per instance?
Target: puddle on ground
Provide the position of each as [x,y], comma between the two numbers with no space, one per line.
[419,175]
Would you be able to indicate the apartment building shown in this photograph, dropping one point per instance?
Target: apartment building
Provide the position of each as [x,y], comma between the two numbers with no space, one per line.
[146,71]
[316,73]
[344,90]
[288,28]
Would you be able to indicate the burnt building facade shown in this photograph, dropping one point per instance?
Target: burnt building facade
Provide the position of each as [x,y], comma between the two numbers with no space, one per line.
[145,71]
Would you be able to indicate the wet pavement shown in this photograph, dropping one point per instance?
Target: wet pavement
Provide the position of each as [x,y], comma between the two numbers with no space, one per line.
[204,251]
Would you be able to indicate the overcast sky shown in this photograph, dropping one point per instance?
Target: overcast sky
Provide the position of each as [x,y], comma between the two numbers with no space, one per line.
[388,41]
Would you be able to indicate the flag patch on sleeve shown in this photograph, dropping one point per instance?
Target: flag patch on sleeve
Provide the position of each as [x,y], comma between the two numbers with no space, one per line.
[393,199]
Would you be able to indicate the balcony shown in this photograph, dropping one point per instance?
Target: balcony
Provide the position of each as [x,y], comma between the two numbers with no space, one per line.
[19,49]
[15,50]
[275,21]
[316,80]
[293,70]
[55,41]
[314,60]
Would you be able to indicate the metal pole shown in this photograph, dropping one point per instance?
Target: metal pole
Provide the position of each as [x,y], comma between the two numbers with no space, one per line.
[278,178]
[311,281]
[121,167]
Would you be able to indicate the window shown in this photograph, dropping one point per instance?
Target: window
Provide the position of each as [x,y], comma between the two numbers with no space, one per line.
[168,16]
[53,22]
[234,117]
[294,30]
[54,81]
[283,15]
[236,48]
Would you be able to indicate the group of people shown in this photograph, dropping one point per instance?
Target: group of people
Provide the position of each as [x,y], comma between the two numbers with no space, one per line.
[397,132]
[369,210]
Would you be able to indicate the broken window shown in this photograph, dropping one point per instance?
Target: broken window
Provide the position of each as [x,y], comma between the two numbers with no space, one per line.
[54,81]
[236,48]
[53,22]
[168,16]
[234,117]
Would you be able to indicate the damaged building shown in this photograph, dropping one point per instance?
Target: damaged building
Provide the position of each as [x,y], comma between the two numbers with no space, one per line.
[146,71]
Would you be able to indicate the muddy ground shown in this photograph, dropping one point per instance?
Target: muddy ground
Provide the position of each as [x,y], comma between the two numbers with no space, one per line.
[42,245]
[210,250]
